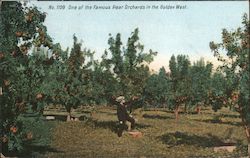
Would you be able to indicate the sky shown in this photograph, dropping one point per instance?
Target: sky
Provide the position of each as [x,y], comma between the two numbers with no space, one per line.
[168,31]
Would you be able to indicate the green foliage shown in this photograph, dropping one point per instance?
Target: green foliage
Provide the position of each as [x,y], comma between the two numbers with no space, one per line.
[200,74]
[32,79]
[156,90]
[236,67]
[102,84]
[70,77]
[217,90]
[180,80]
[129,65]
[21,74]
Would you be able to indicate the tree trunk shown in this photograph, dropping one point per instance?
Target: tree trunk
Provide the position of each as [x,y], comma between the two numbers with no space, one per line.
[185,108]
[176,113]
[164,106]
[69,115]
[198,109]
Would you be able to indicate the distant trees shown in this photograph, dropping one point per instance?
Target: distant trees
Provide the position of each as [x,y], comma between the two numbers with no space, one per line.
[216,94]
[157,88]
[103,83]
[180,82]
[200,75]
[185,84]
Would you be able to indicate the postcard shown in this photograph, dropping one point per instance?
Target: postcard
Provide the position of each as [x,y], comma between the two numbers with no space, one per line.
[124,78]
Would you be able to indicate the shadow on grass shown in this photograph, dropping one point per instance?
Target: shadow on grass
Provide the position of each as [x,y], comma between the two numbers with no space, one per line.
[113,125]
[179,138]
[189,113]
[39,150]
[156,116]
[220,122]
[106,112]
[180,112]
[61,118]
[231,115]
[31,151]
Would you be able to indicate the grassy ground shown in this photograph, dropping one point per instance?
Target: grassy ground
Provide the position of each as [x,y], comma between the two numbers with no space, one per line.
[193,136]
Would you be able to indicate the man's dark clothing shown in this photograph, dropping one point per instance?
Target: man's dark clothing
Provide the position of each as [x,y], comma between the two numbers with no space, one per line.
[123,116]
[122,113]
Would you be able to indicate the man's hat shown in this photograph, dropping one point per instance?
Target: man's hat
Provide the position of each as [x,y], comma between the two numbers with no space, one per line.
[120,99]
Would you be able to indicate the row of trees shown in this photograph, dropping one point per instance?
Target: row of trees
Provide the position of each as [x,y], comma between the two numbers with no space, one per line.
[185,84]
[33,77]
[36,72]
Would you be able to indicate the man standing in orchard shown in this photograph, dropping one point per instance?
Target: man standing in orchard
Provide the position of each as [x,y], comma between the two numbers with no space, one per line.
[123,115]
